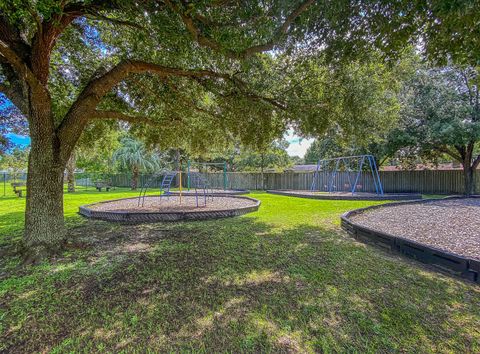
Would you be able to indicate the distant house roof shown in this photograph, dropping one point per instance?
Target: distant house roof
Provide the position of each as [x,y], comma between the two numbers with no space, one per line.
[420,167]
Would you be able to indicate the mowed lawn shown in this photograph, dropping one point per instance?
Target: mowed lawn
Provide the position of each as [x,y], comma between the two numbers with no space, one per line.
[285,278]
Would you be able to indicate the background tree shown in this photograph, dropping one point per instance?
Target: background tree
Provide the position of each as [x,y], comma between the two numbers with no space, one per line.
[332,144]
[353,107]
[441,116]
[133,156]
[273,157]
[15,162]
[96,146]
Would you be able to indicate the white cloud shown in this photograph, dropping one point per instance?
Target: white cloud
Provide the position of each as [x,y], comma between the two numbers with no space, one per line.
[298,146]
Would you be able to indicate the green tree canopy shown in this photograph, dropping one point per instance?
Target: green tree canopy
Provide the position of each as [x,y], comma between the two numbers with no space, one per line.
[15,161]
[441,116]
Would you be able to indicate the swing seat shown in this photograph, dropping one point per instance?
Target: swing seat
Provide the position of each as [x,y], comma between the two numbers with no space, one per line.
[349,165]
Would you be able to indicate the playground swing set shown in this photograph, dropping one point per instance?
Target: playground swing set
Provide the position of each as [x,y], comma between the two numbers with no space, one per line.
[353,167]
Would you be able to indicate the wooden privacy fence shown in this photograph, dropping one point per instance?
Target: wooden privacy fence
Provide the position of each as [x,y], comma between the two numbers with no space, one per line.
[426,181]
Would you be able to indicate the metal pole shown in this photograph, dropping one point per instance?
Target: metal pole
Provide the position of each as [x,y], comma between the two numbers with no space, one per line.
[180,178]
[315,175]
[349,171]
[358,175]
[332,181]
[373,174]
[224,175]
[378,176]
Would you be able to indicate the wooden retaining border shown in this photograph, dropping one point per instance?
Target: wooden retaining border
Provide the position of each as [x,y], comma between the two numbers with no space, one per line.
[144,217]
[349,196]
[451,263]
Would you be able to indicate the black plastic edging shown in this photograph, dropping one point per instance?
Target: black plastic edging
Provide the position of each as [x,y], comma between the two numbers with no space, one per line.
[463,267]
[142,217]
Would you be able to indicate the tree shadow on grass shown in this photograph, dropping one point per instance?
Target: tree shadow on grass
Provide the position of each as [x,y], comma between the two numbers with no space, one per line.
[11,227]
[233,285]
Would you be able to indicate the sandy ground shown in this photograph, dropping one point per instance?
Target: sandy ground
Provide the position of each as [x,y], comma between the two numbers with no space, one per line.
[173,204]
[209,191]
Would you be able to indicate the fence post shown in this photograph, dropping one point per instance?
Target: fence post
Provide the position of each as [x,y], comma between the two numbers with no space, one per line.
[188,175]
[224,176]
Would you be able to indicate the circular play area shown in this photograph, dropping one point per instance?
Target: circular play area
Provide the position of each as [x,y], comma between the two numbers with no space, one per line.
[444,232]
[215,192]
[346,178]
[345,195]
[169,208]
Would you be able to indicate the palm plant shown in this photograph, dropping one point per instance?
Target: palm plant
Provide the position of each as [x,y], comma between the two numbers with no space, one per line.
[134,156]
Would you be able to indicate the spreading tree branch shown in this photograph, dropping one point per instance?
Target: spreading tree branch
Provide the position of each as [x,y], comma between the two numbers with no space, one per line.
[450,152]
[476,162]
[12,37]
[15,96]
[75,120]
[20,67]
[115,21]
[205,41]
[179,96]
[97,114]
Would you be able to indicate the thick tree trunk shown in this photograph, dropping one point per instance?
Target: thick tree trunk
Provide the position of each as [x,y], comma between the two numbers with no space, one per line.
[71,174]
[468,177]
[44,224]
[135,173]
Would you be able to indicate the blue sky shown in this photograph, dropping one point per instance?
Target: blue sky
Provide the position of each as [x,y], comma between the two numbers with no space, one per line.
[19,139]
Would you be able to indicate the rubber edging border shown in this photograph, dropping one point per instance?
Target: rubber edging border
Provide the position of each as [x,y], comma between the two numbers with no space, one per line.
[464,267]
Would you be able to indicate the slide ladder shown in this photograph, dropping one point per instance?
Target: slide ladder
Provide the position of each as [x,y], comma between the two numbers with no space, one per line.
[165,185]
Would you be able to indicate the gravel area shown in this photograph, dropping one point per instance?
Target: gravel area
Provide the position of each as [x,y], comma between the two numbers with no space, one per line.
[452,225]
[173,204]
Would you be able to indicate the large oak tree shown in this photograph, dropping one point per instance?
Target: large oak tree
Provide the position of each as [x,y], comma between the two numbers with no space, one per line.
[440,116]
[65,63]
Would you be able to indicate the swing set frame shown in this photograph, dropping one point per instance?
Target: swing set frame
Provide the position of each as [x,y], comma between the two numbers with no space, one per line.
[361,161]
[205,165]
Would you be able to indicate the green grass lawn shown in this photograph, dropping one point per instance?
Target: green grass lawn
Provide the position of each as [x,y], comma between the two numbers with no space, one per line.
[282,279]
